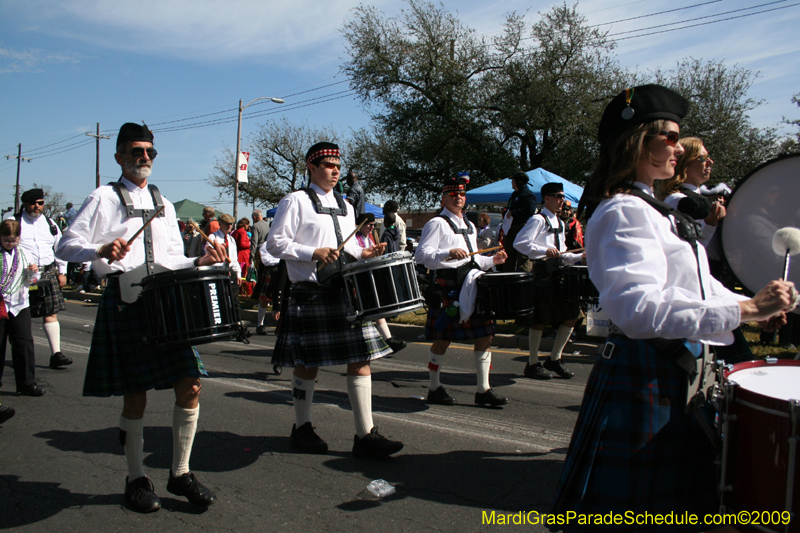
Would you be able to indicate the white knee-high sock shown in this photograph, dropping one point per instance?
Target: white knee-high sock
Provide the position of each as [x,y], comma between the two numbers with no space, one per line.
[262,312]
[383,328]
[303,396]
[134,446]
[359,389]
[483,362]
[534,340]
[435,369]
[52,331]
[562,336]
[184,426]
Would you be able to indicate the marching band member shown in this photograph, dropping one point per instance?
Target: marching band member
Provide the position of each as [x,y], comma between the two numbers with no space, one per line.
[314,331]
[451,236]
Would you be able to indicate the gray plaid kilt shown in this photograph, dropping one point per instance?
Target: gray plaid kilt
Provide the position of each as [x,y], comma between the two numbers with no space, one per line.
[476,327]
[119,363]
[47,299]
[633,447]
[314,331]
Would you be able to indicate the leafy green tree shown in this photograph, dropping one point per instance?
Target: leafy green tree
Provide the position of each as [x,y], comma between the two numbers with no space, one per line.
[791,144]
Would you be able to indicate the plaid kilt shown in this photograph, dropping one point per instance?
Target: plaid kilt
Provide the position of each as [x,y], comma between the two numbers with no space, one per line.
[633,448]
[47,300]
[119,363]
[314,331]
[261,290]
[476,327]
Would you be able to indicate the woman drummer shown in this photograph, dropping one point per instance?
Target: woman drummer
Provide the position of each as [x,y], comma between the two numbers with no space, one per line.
[366,239]
[634,448]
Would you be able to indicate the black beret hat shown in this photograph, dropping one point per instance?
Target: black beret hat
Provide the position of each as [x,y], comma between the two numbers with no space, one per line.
[32,195]
[369,217]
[130,132]
[521,178]
[320,150]
[638,105]
[551,188]
[457,184]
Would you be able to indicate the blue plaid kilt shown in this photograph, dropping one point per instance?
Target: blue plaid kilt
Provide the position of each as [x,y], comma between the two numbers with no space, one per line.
[633,448]
[314,331]
[47,299]
[119,362]
[476,327]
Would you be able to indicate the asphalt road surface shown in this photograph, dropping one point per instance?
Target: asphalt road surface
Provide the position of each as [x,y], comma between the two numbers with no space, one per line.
[62,467]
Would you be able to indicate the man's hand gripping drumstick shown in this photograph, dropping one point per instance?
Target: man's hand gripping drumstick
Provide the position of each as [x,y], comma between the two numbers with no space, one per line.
[326,256]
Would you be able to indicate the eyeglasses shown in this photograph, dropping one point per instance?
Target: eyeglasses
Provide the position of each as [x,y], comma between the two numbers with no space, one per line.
[138,152]
[330,166]
[38,202]
[672,136]
[454,194]
[703,159]
[557,196]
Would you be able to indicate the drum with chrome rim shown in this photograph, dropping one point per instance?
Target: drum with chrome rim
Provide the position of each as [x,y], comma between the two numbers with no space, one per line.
[382,287]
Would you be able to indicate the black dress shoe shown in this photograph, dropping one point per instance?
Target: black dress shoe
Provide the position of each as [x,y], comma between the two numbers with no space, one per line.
[489,398]
[536,371]
[396,344]
[6,413]
[31,390]
[306,439]
[187,485]
[278,369]
[440,397]
[559,368]
[375,445]
[58,360]
[261,330]
[140,496]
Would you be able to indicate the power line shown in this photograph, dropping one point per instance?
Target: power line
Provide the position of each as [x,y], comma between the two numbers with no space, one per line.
[660,13]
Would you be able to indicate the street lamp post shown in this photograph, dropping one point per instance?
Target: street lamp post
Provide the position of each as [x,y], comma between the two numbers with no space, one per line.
[238,148]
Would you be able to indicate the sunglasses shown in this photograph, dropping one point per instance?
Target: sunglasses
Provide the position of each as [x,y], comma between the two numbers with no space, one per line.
[703,159]
[138,152]
[454,194]
[38,202]
[557,196]
[330,166]
[672,137]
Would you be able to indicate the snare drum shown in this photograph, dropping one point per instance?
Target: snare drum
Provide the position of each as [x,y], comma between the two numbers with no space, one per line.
[760,426]
[382,287]
[190,306]
[505,295]
[577,285]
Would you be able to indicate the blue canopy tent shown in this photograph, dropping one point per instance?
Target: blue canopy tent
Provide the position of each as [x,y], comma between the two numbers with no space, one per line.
[374,209]
[500,191]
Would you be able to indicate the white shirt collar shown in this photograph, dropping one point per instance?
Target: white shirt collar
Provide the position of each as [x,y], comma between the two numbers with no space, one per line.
[643,187]
[689,186]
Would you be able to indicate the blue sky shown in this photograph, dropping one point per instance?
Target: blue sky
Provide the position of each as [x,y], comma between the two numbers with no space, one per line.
[66,65]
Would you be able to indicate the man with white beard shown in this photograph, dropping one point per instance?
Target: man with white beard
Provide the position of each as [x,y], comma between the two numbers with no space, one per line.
[120,364]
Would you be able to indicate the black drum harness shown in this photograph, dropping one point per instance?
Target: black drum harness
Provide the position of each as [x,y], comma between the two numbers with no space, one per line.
[326,274]
[460,271]
[145,215]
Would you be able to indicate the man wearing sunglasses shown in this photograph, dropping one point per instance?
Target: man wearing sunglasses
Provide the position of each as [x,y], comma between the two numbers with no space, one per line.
[39,239]
[543,239]
[309,227]
[120,364]
[448,247]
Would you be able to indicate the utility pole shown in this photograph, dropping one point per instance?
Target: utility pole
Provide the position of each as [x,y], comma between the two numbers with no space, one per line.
[19,158]
[97,156]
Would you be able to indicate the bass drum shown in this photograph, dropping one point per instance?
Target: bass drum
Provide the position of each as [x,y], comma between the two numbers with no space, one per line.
[761,204]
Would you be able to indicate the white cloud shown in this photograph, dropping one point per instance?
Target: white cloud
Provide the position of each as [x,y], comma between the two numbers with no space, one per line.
[32,60]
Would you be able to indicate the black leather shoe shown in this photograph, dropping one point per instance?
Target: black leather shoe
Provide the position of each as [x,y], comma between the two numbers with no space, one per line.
[536,371]
[306,439]
[140,496]
[396,344]
[278,369]
[31,390]
[261,330]
[187,485]
[58,360]
[489,398]
[440,397]
[6,413]
[559,368]
[375,445]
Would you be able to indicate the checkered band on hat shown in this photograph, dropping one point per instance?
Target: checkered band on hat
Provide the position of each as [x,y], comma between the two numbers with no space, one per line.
[322,153]
[454,186]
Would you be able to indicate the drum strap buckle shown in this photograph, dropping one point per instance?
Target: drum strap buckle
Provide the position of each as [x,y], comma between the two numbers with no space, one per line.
[608,350]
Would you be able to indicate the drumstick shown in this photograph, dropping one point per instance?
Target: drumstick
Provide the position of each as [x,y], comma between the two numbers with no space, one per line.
[339,249]
[205,238]
[478,252]
[576,250]
[141,229]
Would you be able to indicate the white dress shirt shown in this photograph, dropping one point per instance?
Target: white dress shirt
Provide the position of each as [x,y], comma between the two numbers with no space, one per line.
[18,300]
[38,242]
[297,230]
[267,258]
[707,229]
[233,251]
[438,239]
[102,219]
[534,239]
[647,276]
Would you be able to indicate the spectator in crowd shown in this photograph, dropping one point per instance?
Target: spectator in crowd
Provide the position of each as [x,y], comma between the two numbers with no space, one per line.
[192,240]
[210,223]
[521,207]
[574,231]
[223,235]
[242,239]
[392,207]
[485,231]
[355,193]
[391,236]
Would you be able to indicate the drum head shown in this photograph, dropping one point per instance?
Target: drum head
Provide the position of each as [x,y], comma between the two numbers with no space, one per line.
[780,380]
[763,202]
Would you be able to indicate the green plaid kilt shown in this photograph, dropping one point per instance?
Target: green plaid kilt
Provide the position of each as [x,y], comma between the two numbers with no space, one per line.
[314,331]
[476,327]
[265,273]
[47,299]
[119,362]
[633,447]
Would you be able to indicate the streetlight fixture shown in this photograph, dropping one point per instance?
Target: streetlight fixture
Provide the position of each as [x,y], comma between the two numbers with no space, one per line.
[238,148]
